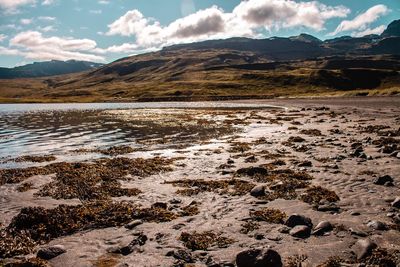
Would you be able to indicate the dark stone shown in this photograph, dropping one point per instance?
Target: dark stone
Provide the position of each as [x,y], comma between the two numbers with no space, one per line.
[258,258]
[133,224]
[377,225]
[363,248]
[396,203]
[160,205]
[328,207]
[139,241]
[257,191]
[296,219]
[49,253]
[300,231]
[305,164]
[383,179]
[322,228]
[182,255]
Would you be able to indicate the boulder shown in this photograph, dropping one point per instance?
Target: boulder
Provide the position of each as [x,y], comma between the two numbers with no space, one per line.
[258,258]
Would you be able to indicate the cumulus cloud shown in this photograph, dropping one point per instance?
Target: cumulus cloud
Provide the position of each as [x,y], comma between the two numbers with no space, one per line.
[378,30]
[13,4]
[2,37]
[47,2]
[26,21]
[247,19]
[33,45]
[46,18]
[104,2]
[362,21]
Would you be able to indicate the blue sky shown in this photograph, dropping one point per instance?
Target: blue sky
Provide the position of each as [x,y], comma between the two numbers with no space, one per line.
[105,30]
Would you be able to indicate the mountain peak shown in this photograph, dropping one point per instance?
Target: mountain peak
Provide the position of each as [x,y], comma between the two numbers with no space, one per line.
[304,37]
[393,29]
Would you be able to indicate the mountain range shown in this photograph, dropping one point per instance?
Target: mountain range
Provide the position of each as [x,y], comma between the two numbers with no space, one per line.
[235,67]
[47,68]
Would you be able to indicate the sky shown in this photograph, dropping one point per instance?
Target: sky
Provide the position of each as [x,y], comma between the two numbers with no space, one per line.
[106,30]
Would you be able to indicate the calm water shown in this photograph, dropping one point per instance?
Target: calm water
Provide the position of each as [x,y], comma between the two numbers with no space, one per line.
[40,129]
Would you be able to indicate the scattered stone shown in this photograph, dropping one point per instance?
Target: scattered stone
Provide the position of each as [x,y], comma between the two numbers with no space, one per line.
[358,232]
[396,203]
[301,231]
[182,255]
[297,219]
[363,248]
[383,179]
[377,225]
[305,164]
[49,253]
[355,213]
[258,191]
[133,224]
[328,207]
[258,258]
[133,245]
[322,228]
[284,229]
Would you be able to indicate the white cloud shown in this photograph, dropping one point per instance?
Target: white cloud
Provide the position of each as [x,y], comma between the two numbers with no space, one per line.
[2,37]
[13,4]
[378,30]
[33,45]
[247,19]
[98,11]
[362,21]
[26,21]
[49,28]
[47,18]
[104,2]
[47,2]
[124,48]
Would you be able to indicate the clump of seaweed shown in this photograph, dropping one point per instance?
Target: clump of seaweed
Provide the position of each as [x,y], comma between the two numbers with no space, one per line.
[36,225]
[295,139]
[311,132]
[111,151]
[229,186]
[249,226]
[382,257]
[99,180]
[204,240]
[36,159]
[190,210]
[239,147]
[32,262]
[25,187]
[295,261]
[268,215]
[332,262]
[315,194]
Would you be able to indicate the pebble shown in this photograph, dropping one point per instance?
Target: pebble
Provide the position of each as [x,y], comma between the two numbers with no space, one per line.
[301,231]
[363,248]
[396,203]
[257,191]
[258,258]
[322,228]
[377,225]
[133,224]
[383,179]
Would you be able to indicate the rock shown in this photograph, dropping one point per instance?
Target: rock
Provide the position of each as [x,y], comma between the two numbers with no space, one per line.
[358,232]
[182,255]
[363,248]
[133,245]
[133,224]
[301,231]
[396,203]
[175,201]
[284,229]
[383,179]
[258,258]
[296,219]
[355,213]
[322,228]
[305,164]
[160,205]
[49,253]
[328,207]
[377,225]
[258,191]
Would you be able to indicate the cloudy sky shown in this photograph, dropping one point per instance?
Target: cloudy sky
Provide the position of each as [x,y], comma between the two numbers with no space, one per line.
[105,30]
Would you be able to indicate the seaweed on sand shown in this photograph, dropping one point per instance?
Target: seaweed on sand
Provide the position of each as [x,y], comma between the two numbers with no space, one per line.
[295,260]
[204,240]
[314,195]
[37,159]
[99,180]
[268,215]
[229,186]
[249,226]
[311,132]
[36,225]
[239,147]
[111,151]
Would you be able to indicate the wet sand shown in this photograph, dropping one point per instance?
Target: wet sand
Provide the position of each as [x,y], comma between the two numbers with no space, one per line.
[340,145]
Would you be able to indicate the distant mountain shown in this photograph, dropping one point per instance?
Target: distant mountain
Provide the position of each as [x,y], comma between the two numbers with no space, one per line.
[232,67]
[48,68]
[393,29]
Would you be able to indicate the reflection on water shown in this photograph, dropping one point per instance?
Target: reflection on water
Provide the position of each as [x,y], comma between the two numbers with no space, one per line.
[40,129]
